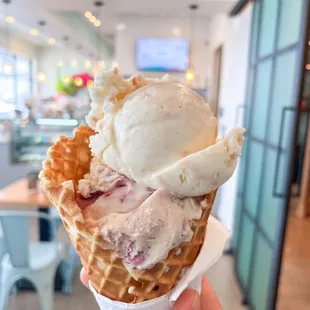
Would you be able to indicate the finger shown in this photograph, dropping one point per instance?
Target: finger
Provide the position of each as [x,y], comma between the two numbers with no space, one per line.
[196,284]
[208,298]
[189,300]
[83,277]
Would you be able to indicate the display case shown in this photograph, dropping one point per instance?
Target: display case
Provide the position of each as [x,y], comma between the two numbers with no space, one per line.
[30,140]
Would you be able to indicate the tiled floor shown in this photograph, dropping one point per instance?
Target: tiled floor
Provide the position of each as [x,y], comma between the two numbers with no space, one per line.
[220,276]
[294,290]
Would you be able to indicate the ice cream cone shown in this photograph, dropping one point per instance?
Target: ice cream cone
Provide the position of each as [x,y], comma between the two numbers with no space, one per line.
[69,162]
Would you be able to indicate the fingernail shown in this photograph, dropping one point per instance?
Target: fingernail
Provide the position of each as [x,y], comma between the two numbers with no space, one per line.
[196,303]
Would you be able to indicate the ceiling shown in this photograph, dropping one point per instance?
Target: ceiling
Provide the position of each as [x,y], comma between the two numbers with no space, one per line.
[140,7]
[66,17]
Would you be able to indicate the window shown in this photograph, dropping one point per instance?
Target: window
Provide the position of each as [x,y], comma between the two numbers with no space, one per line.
[16,86]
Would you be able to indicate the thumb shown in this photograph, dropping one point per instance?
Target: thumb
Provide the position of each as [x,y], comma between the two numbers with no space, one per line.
[83,277]
[189,300]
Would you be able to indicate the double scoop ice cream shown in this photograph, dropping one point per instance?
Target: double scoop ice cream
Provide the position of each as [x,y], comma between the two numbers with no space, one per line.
[155,156]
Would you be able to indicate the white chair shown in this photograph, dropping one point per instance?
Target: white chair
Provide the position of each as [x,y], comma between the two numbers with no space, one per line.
[35,261]
[69,263]
[3,249]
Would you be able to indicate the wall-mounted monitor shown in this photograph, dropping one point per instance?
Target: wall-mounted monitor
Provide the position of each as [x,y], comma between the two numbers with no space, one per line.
[164,55]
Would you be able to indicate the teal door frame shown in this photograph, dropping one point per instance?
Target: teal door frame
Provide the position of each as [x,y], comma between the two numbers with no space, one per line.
[247,256]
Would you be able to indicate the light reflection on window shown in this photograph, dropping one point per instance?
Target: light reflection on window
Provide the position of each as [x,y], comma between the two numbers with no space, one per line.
[15,87]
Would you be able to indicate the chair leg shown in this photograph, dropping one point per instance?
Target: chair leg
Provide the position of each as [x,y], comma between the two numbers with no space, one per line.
[8,279]
[54,227]
[44,282]
[5,288]
[14,289]
[67,269]
[46,295]
[4,294]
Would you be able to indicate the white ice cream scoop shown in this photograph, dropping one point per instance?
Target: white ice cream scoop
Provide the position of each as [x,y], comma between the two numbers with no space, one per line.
[164,136]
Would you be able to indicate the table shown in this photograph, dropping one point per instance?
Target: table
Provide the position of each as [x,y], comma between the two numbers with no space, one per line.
[17,197]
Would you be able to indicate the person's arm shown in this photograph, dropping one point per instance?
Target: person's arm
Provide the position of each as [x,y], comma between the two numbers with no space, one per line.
[189,299]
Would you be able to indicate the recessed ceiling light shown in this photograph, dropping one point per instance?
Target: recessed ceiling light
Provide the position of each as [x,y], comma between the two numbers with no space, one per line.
[120,27]
[93,19]
[97,23]
[51,41]
[88,14]
[176,31]
[9,19]
[34,32]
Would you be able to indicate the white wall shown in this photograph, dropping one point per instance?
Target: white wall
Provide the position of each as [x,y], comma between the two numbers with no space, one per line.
[19,46]
[48,58]
[234,34]
[48,63]
[139,27]
[219,34]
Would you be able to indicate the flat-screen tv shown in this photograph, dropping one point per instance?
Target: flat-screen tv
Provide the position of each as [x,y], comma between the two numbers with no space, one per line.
[165,55]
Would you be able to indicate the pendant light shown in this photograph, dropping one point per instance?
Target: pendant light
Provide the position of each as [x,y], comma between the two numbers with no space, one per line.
[78,81]
[8,65]
[190,73]
[90,83]
[74,63]
[41,74]
[100,62]
[66,77]
[88,62]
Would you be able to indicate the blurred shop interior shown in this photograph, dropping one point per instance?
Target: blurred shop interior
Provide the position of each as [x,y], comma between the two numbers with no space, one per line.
[249,59]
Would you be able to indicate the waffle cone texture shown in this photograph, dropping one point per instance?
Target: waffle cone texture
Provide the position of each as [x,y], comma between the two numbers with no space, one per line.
[69,162]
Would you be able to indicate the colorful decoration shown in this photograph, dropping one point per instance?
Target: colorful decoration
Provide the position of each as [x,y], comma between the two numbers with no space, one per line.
[68,85]
[66,79]
[82,79]
[90,83]
[78,82]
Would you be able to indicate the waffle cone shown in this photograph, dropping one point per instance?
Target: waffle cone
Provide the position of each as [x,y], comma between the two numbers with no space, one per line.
[69,162]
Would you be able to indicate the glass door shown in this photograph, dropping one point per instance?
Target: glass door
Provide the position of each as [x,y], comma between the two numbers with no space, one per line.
[277,55]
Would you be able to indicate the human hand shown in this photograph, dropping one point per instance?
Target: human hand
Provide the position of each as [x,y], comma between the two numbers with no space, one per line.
[189,299]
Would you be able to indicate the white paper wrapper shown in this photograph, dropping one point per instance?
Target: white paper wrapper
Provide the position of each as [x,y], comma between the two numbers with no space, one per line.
[211,251]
